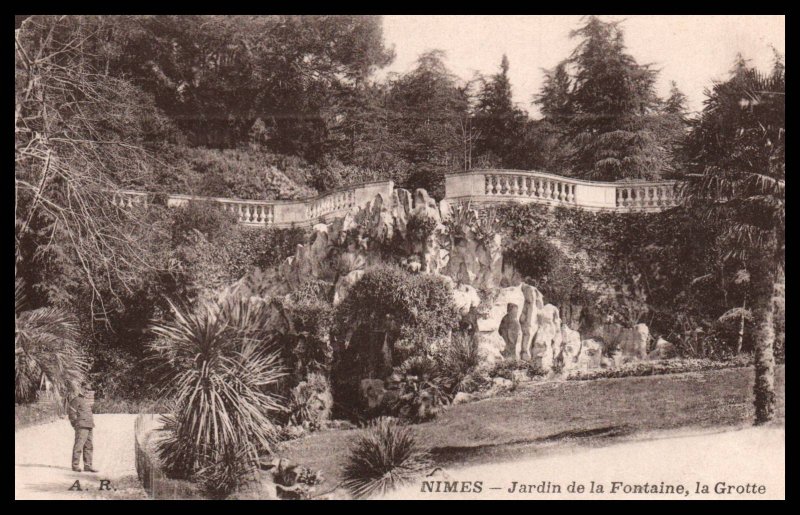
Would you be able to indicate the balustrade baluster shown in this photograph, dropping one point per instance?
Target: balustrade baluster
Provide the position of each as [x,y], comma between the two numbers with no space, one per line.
[561,195]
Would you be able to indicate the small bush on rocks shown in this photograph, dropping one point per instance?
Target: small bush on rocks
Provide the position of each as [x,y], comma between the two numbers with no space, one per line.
[507,367]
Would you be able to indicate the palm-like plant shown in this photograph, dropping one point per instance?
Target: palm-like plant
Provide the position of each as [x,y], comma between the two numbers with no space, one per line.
[384,457]
[47,355]
[737,148]
[221,373]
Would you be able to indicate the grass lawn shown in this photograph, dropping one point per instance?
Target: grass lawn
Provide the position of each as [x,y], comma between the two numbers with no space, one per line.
[541,417]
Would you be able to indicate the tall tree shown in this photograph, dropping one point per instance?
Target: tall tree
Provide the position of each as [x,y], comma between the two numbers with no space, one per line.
[608,108]
[555,98]
[80,134]
[738,156]
[427,107]
[217,75]
[501,125]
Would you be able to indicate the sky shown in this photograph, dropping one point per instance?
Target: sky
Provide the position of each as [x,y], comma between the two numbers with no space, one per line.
[691,50]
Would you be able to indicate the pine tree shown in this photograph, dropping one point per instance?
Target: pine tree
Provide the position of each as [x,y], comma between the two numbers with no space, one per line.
[608,109]
[501,125]
[554,100]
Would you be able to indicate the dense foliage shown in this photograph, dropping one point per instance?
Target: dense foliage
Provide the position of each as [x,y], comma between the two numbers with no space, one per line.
[605,106]
[666,269]
[413,307]
[737,149]
[221,374]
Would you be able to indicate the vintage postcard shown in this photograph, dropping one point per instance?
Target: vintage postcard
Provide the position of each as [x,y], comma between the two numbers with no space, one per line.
[269,257]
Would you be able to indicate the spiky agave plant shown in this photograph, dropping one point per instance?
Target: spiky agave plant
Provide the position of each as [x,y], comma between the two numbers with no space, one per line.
[384,457]
[221,374]
[47,355]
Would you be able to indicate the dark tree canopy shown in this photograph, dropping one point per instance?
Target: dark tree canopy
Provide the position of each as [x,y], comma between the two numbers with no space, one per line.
[606,106]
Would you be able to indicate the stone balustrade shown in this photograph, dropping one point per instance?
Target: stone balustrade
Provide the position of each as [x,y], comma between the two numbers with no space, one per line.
[277,213]
[493,186]
[478,186]
[129,199]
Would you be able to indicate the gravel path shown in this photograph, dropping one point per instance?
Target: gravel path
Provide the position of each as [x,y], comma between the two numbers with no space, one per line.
[733,458]
[42,457]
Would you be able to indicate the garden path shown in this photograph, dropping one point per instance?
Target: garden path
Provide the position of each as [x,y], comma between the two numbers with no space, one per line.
[42,456]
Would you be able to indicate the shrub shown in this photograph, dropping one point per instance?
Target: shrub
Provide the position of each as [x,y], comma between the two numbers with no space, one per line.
[384,457]
[546,266]
[420,227]
[415,308]
[226,471]
[457,361]
[206,217]
[506,368]
[243,173]
[311,402]
[220,375]
[421,391]
[251,247]
[46,351]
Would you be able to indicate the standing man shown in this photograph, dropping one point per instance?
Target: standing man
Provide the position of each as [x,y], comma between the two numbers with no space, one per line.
[80,416]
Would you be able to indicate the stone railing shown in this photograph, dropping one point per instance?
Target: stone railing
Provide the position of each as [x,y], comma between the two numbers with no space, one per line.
[492,186]
[277,213]
[478,186]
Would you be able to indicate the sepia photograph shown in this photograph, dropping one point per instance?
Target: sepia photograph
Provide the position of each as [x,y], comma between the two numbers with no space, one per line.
[406,257]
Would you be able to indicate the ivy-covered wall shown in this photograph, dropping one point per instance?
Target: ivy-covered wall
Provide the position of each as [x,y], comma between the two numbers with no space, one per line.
[664,269]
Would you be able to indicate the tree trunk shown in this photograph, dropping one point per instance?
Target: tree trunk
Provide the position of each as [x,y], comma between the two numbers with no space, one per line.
[740,339]
[764,388]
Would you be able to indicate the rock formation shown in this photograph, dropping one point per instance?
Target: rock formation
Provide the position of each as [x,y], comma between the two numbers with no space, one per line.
[513,322]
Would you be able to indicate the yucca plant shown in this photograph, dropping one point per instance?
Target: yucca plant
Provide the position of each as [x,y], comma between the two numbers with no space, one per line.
[47,355]
[384,457]
[221,373]
[461,218]
[457,361]
[485,225]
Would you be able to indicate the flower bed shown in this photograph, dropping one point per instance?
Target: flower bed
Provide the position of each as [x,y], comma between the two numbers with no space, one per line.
[664,366]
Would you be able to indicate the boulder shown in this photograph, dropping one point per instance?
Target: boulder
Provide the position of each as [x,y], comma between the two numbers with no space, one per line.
[341,424]
[505,296]
[606,362]
[548,337]
[465,297]
[591,355]
[425,205]
[528,319]
[519,376]
[501,383]
[571,347]
[633,342]
[663,350]
[510,331]
[463,398]
[372,392]
[344,284]
[490,346]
